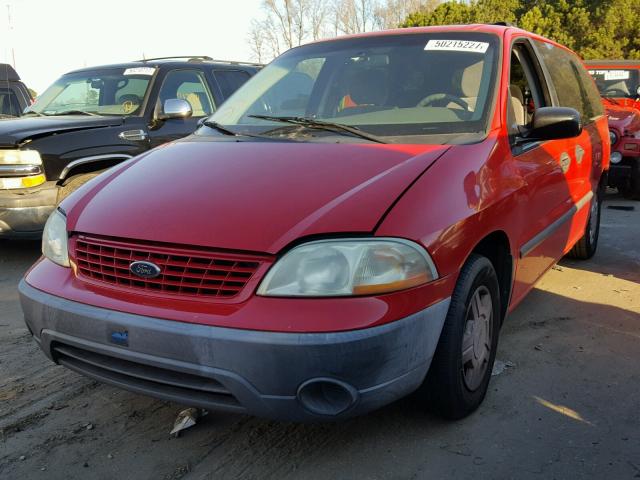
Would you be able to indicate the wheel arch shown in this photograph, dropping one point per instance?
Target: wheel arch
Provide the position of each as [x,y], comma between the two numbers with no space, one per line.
[91,164]
[496,246]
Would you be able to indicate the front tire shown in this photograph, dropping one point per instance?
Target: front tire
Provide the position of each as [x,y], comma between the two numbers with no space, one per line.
[459,376]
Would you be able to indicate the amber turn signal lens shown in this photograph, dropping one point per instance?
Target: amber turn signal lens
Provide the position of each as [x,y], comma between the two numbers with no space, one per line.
[392,286]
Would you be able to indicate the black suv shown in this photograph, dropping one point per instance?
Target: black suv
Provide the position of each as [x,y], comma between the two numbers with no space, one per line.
[94,118]
[14,95]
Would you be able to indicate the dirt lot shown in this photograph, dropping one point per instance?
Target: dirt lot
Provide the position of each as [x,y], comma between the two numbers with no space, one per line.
[567,405]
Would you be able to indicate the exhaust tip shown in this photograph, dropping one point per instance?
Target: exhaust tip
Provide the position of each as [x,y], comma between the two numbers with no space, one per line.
[327,396]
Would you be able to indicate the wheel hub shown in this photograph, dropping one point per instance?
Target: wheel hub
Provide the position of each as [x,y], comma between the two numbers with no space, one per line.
[477,338]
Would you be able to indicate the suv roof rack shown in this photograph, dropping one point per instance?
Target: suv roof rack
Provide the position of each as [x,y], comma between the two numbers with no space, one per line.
[504,24]
[200,58]
[177,57]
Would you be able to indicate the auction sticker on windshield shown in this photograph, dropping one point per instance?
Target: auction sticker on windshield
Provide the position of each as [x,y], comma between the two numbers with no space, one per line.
[457,46]
[139,71]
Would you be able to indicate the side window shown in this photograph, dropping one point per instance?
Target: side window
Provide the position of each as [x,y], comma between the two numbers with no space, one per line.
[9,104]
[588,90]
[525,90]
[572,86]
[230,80]
[188,85]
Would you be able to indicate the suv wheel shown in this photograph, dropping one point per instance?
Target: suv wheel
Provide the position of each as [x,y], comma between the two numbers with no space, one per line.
[586,247]
[461,368]
[631,188]
[74,183]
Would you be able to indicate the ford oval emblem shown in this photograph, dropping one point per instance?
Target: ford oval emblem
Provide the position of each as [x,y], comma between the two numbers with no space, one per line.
[145,269]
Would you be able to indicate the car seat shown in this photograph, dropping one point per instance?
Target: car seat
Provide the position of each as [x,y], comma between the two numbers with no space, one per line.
[516,104]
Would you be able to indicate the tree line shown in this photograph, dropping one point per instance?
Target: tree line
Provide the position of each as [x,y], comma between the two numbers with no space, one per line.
[285,24]
[593,28]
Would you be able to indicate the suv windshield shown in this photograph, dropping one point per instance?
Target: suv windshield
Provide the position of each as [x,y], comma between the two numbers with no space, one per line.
[413,88]
[614,82]
[113,91]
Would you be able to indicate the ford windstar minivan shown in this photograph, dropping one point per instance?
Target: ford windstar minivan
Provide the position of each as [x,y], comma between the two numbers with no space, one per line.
[351,226]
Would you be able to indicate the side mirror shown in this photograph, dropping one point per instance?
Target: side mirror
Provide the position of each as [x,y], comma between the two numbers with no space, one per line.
[175,108]
[552,123]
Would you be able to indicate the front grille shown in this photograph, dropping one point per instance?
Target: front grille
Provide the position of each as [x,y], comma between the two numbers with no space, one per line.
[183,272]
[158,382]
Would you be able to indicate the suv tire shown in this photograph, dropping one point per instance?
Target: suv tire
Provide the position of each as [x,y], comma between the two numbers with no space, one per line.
[74,183]
[631,188]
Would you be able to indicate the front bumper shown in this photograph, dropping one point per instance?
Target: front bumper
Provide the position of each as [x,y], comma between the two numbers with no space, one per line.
[284,376]
[23,213]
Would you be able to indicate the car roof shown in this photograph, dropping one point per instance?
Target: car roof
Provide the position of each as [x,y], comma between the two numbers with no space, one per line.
[499,29]
[7,73]
[172,62]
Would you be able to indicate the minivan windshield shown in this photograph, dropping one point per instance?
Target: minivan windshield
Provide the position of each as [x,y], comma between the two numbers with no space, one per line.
[412,88]
[109,91]
[617,82]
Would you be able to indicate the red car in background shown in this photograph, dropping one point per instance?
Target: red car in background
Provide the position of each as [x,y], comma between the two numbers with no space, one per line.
[619,85]
[353,225]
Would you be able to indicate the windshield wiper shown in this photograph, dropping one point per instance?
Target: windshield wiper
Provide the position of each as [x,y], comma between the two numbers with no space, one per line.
[75,112]
[322,125]
[33,112]
[220,128]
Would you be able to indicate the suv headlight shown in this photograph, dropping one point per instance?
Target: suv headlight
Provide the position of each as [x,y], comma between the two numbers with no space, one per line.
[349,267]
[20,169]
[613,137]
[55,239]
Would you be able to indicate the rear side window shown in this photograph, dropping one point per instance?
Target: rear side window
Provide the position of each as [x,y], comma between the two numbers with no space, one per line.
[230,80]
[573,85]
[9,104]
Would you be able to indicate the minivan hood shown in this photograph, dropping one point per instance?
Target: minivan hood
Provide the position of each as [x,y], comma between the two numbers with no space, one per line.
[15,131]
[251,196]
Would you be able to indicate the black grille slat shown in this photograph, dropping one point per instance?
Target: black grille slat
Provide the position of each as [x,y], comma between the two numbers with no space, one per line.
[160,382]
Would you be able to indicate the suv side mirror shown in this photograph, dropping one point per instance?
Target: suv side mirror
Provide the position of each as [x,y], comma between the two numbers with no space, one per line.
[175,108]
[552,123]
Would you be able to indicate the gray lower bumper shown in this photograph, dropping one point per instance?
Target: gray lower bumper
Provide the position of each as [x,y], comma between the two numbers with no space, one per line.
[23,213]
[287,376]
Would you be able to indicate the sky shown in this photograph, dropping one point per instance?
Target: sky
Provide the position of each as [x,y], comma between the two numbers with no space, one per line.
[52,37]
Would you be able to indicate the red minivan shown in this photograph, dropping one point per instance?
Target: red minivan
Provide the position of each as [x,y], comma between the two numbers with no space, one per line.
[352,226]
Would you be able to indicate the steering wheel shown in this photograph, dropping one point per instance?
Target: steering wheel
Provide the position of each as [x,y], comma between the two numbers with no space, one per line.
[436,97]
[615,92]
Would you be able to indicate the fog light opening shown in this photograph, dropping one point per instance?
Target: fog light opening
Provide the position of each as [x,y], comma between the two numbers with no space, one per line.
[327,396]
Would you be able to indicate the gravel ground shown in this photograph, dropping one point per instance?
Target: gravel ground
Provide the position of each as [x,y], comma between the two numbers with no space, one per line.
[566,405]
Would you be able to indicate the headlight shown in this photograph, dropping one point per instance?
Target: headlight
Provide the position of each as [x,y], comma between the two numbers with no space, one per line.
[616,157]
[20,169]
[55,239]
[348,267]
[20,157]
[613,136]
